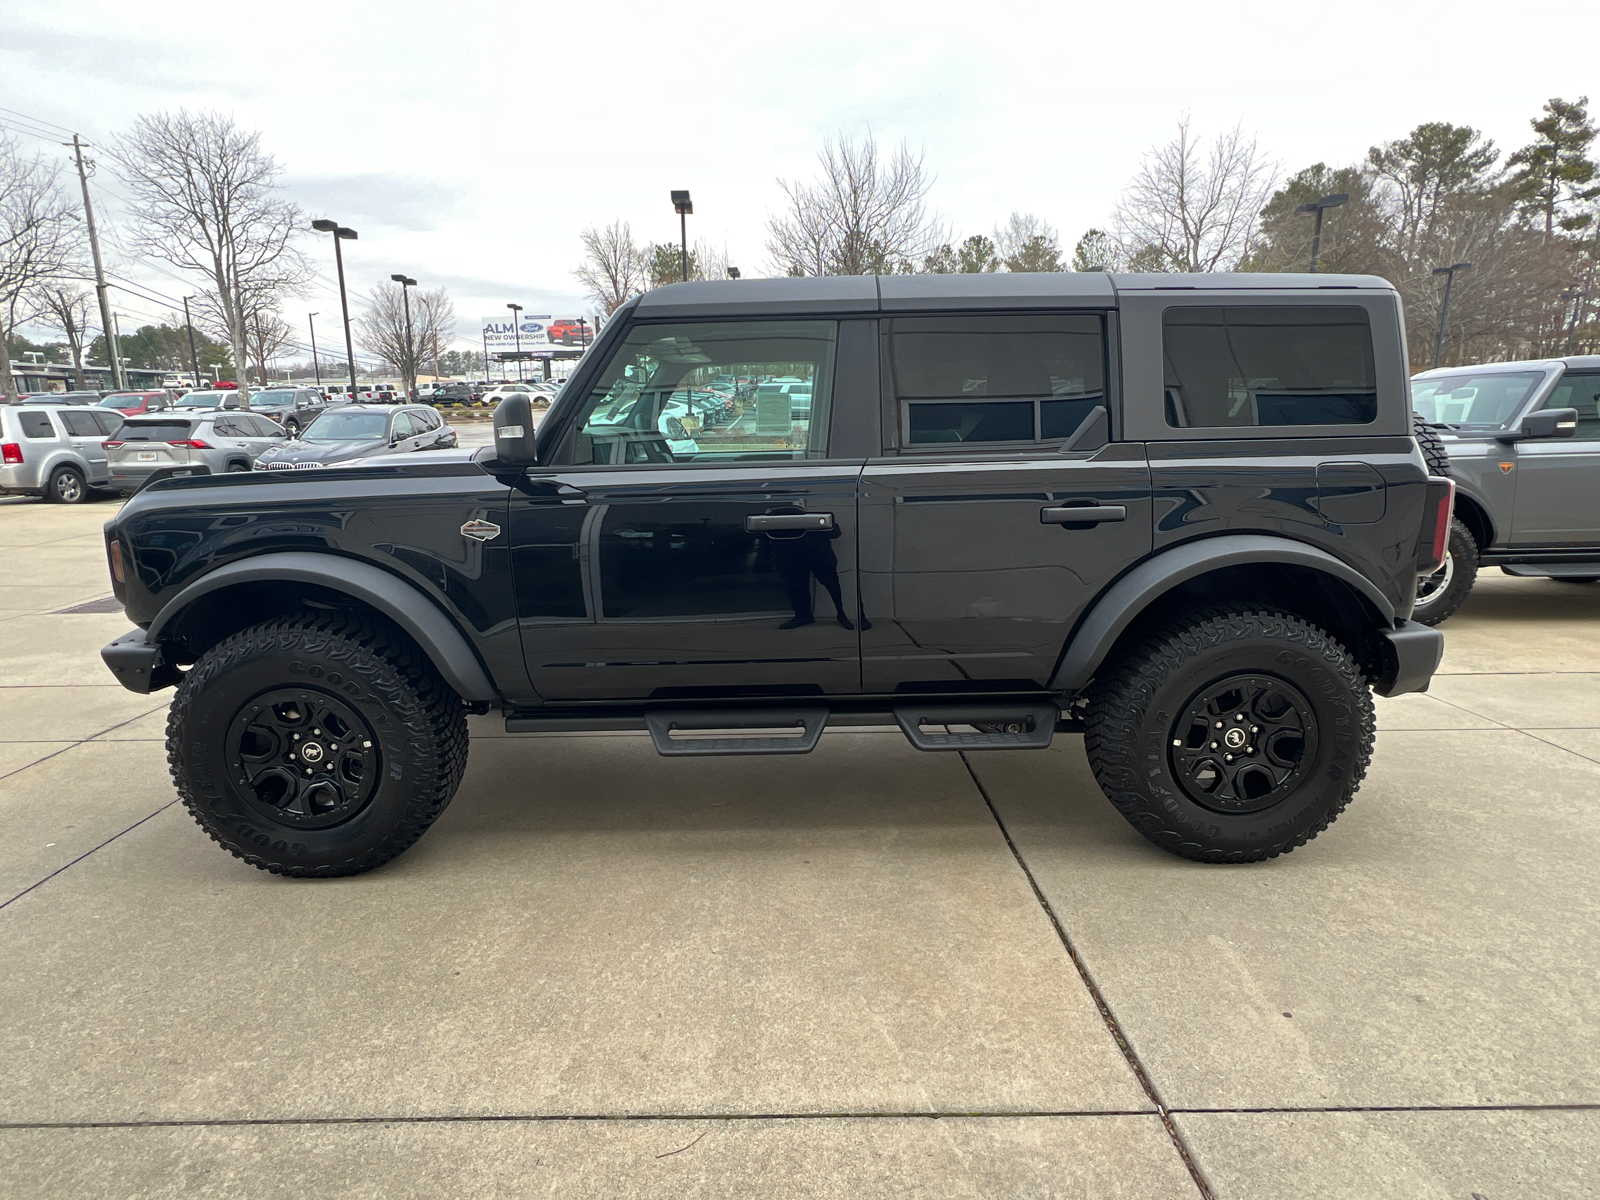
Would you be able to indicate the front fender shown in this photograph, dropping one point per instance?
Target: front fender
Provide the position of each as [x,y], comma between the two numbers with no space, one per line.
[1139,588]
[400,601]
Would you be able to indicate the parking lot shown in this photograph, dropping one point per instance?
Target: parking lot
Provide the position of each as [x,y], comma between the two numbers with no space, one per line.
[871,972]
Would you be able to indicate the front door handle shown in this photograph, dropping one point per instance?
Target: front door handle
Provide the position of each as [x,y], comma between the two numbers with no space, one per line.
[1089,514]
[806,522]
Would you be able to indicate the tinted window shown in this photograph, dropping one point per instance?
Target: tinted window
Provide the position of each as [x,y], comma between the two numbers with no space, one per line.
[1581,392]
[109,422]
[964,380]
[156,431]
[230,427]
[1228,367]
[36,425]
[651,404]
[81,424]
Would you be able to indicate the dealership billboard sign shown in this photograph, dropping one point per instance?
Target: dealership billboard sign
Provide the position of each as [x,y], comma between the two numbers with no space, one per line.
[501,333]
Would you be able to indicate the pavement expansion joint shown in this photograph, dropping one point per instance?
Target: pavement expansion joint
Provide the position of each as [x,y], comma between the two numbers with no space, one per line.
[1100,1003]
[68,866]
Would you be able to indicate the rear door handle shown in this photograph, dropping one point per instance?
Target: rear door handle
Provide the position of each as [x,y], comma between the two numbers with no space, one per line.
[1091,514]
[803,521]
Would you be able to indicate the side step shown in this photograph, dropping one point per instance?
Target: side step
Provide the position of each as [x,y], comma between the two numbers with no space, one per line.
[1022,726]
[806,723]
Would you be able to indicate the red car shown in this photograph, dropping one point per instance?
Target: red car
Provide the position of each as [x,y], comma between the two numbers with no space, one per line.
[135,404]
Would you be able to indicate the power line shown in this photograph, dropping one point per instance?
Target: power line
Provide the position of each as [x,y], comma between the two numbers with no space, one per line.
[37,120]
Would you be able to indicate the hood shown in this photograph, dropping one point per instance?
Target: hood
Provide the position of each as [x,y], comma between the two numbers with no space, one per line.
[321,452]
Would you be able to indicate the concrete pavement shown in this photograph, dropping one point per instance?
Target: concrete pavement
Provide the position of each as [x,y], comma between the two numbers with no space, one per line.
[871,973]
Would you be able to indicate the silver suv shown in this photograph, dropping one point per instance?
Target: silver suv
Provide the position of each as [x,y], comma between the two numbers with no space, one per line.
[54,450]
[205,441]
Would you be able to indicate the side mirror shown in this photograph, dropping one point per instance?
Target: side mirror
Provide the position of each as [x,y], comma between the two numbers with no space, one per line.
[513,432]
[1547,422]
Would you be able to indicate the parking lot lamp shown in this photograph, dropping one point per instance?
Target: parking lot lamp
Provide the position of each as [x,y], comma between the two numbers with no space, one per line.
[194,358]
[316,367]
[1449,274]
[340,233]
[1317,207]
[682,205]
[411,354]
[733,272]
[516,326]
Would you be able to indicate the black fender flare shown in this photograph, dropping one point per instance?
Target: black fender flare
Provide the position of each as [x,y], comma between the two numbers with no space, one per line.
[399,600]
[1121,603]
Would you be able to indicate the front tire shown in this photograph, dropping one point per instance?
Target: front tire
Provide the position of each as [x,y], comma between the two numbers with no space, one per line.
[1440,594]
[315,745]
[1163,723]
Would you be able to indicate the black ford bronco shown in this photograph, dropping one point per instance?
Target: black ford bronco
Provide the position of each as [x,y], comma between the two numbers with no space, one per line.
[1185,515]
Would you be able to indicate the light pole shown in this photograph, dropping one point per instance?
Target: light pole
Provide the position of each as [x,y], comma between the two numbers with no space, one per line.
[683,206]
[411,357]
[340,233]
[194,357]
[516,325]
[486,355]
[1449,274]
[1317,206]
[316,367]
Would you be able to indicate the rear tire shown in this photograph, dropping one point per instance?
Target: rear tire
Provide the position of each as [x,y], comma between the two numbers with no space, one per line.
[315,745]
[1440,594]
[66,486]
[1289,694]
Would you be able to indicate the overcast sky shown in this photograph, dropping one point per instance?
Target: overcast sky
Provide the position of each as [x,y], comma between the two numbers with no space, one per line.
[470,143]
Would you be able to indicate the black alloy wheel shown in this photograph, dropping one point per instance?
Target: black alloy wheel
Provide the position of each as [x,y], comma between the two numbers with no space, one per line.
[304,758]
[1237,745]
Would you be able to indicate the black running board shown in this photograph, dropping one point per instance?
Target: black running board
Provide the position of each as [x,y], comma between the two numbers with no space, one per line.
[807,723]
[1022,726]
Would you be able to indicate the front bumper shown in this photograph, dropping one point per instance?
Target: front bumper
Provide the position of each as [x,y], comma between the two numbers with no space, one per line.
[138,664]
[1410,654]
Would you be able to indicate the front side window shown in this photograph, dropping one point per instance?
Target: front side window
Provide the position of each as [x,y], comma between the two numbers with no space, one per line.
[1581,392]
[1474,400]
[1244,366]
[653,403]
[962,381]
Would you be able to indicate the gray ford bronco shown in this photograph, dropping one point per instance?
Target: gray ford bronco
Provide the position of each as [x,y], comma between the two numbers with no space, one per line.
[1185,515]
[1522,441]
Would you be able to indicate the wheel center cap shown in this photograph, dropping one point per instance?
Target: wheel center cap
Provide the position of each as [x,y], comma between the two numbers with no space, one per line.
[1234,737]
[312,752]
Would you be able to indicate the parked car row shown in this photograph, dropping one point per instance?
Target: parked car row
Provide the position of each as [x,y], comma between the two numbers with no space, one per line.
[66,453]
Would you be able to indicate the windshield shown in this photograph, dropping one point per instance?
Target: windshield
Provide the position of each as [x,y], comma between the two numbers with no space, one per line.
[203,400]
[272,398]
[1486,400]
[123,400]
[345,426]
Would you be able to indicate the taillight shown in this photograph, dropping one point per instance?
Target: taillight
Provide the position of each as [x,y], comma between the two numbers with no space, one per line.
[192,444]
[109,445]
[1434,545]
[11,454]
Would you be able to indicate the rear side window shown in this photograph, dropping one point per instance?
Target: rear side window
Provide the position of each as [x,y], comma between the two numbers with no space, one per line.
[36,425]
[960,381]
[1237,366]
[81,424]
[109,421]
[156,431]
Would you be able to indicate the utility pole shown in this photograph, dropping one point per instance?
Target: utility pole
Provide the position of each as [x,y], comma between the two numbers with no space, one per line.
[194,357]
[315,365]
[100,284]
[112,339]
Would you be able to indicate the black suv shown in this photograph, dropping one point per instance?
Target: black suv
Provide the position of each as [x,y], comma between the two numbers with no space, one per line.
[1183,514]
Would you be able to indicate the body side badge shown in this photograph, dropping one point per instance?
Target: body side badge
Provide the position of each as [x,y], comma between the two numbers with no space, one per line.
[480,530]
[1505,468]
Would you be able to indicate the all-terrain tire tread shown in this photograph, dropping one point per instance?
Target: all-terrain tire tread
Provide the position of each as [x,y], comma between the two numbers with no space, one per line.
[431,713]
[1464,551]
[1431,445]
[1119,700]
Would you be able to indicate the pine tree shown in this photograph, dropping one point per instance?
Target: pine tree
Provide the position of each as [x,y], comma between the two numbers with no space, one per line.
[1556,177]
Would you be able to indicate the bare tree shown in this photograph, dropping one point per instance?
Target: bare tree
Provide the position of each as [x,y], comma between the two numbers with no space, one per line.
[1194,211]
[65,305]
[41,241]
[866,214]
[1026,243]
[613,268]
[381,327]
[206,201]
[267,333]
